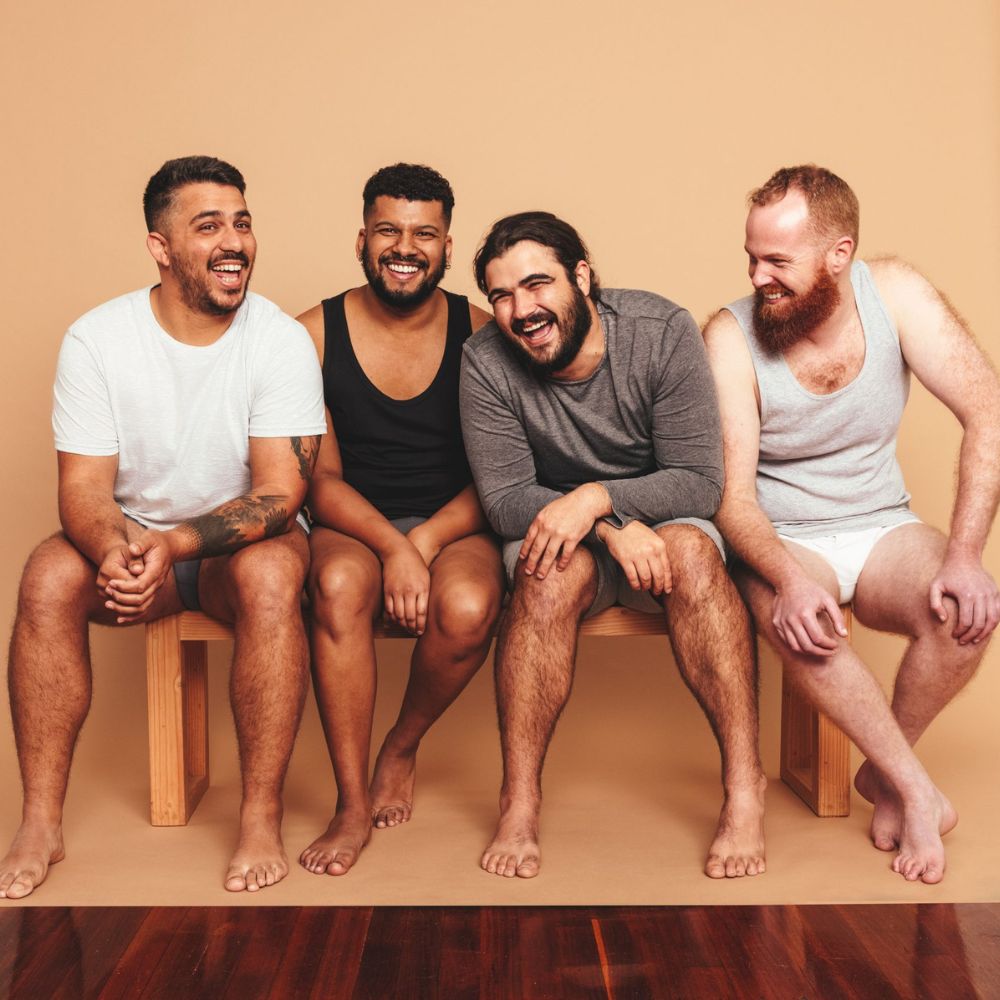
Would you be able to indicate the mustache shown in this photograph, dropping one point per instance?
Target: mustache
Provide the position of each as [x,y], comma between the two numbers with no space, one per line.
[541,315]
[241,258]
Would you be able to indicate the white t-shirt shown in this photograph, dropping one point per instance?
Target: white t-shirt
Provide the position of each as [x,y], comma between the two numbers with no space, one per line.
[180,417]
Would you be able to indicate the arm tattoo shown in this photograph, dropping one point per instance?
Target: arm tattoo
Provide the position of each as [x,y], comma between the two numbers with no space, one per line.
[305,450]
[226,528]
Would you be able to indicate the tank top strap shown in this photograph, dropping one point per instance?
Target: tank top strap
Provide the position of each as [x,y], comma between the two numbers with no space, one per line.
[334,329]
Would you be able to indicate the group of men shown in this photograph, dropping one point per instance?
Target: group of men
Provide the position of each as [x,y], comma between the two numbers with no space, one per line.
[570,446]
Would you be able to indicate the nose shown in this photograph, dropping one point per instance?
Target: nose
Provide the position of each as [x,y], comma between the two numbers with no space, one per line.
[524,303]
[232,238]
[404,243]
[760,274]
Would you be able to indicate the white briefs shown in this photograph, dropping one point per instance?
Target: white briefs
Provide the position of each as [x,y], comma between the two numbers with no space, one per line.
[847,552]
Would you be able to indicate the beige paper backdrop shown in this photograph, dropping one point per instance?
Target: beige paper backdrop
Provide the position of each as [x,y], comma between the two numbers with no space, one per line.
[643,123]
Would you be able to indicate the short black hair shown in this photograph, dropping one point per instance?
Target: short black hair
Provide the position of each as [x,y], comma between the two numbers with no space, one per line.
[539,227]
[412,181]
[174,174]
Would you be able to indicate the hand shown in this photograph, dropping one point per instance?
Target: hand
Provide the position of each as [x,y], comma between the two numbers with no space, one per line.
[421,539]
[642,555]
[150,560]
[117,565]
[558,527]
[795,616]
[974,591]
[406,584]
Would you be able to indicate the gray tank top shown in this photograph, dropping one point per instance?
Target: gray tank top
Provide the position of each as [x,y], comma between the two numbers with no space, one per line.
[828,463]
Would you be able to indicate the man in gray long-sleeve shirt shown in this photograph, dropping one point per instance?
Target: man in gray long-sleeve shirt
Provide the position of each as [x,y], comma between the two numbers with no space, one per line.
[592,429]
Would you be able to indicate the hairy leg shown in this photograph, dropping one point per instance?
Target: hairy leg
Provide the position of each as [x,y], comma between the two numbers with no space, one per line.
[893,596]
[536,650]
[345,592]
[465,596]
[259,589]
[49,680]
[713,645]
[843,687]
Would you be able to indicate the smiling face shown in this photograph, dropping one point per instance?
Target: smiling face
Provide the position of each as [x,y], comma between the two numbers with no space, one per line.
[206,248]
[544,316]
[795,287]
[404,250]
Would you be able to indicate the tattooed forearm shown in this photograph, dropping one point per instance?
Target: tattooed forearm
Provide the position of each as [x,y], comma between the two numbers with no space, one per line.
[238,522]
[306,449]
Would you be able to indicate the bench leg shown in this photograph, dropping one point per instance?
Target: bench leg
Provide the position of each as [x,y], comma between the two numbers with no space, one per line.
[177,692]
[815,754]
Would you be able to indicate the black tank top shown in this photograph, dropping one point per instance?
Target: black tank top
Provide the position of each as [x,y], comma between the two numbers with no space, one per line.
[406,457]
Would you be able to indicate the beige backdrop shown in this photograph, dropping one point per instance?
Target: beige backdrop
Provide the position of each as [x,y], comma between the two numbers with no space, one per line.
[643,123]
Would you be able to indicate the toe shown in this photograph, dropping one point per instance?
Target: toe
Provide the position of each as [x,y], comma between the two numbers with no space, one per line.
[528,868]
[236,881]
[714,867]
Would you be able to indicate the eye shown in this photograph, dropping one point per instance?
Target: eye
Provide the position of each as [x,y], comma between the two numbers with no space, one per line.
[494,297]
[207,227]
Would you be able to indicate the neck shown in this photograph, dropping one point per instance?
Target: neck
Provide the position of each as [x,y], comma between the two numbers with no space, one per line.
[396,318]
[186,325]
[842,318]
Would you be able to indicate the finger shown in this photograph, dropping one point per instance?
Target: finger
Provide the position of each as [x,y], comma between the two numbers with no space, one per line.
[534,552]
[787,636]
[644,572]
[410,613]
[978,621]
[937,602]
[529,540]
[656,568]
[818,636]
[548,557]
[832,608]
[568,548]
[421,612]
[966,609]
[806,645]
[631,574]
[388,604]
[668,576]
[992,618]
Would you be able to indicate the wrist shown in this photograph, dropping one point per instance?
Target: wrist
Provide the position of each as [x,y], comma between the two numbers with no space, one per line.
[959,550]
[598,500]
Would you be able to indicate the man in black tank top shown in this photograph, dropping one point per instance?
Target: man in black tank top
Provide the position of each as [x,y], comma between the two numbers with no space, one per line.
[398,527]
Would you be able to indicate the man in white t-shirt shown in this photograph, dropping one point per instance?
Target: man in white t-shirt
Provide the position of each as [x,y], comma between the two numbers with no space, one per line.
[187,418]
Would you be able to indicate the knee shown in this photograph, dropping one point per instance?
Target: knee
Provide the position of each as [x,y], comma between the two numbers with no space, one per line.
[342,589]
[56,575]
[930,628]
[696,567]
[465,615]
[563,593]
[267,577]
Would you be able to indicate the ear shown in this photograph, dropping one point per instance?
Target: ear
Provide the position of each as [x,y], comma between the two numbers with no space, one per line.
[839,255]
[359,244]
[447,249]
[158,249]
[582,274]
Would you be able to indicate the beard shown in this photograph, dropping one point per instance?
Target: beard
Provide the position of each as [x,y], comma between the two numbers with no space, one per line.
[574,324]
[781,324]
[404,298]
[198,291]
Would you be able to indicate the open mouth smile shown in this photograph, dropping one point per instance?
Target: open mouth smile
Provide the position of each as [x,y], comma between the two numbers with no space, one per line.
[229,273]
[535,331]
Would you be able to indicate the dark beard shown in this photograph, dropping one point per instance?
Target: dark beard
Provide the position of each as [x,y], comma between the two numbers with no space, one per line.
[799,316]
[401,299]
[196,291]
[574,325]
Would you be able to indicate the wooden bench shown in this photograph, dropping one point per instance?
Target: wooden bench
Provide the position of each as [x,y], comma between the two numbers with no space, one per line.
[815,754]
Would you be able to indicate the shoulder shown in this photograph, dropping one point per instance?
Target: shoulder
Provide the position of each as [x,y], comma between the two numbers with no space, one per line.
[111,319]
[313,321]
[722,327]
[634,304]
[486,342]
[478,318]
[897,281]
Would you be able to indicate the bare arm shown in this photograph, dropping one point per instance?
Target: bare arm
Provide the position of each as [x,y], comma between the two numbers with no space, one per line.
[943,355]
[798,599]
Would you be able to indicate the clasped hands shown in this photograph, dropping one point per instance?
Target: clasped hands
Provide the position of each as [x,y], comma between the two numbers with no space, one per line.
[131,573]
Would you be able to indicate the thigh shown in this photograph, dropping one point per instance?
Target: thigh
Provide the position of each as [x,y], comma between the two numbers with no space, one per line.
[473,561]
[893,591]
[269,572]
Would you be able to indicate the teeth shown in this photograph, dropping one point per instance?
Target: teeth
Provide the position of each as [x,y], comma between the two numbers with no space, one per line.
[228,267]
[404,268]
[535,326]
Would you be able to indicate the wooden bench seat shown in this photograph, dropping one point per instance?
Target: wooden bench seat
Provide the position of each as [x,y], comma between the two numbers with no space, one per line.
[815,754]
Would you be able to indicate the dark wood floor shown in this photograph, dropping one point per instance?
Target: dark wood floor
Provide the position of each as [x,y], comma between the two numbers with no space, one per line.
[773,952]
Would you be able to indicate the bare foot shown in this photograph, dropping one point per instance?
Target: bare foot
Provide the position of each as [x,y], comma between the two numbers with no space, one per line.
[514,848]
[887,818]
[921,853]
[33,850]
[738,848]
[336,851]
[260,858]
[392,787]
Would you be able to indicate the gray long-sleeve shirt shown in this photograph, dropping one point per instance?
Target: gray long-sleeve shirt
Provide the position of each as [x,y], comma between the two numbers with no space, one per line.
[645,424]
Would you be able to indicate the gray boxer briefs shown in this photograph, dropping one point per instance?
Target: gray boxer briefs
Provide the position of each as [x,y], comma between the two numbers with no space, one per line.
[612,584]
